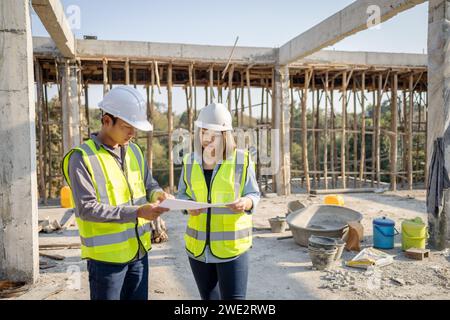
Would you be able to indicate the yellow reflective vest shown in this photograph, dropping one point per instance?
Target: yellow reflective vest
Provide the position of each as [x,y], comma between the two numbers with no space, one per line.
[104,241]
[228,234]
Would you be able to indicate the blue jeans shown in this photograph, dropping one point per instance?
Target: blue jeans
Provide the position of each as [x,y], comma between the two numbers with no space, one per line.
[225,281]
[118,281]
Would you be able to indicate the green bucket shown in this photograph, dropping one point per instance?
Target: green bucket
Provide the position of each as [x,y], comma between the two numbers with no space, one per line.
[414,234]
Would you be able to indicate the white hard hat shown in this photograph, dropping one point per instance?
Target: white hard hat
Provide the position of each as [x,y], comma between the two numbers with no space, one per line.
[215,116]
[126,103]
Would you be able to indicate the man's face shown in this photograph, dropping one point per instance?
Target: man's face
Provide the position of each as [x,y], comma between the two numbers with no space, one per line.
[120,132]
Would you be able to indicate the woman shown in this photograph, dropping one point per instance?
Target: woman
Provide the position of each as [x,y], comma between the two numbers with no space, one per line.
[217,239]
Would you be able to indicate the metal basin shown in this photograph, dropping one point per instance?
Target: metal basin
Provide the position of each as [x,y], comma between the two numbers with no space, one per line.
[321,220]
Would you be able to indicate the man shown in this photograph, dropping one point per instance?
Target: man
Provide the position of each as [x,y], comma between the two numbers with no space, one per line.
[115,199]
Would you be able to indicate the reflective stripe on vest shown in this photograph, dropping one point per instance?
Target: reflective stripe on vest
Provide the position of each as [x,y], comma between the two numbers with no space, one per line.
[230,233]
[115,242]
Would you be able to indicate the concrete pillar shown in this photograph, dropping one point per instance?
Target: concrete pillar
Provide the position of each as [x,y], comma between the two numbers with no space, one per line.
[439,106]
[19,260]
[282,120]
[70,106]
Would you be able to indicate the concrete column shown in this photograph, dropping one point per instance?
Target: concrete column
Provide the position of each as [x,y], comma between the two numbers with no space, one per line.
[282,121]
[70,106]
[439,106]
[19,260]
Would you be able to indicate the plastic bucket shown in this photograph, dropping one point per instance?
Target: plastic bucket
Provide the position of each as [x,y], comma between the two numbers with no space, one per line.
[278,225]
[414,234]
[66,197]
[384,232]
[334,199]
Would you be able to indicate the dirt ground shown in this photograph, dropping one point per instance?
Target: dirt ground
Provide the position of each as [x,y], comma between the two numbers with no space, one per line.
[279,269]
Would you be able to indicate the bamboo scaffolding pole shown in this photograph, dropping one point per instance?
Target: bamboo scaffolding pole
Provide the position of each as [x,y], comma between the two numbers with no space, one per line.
[40,127]
[308,74]
[150,112]
[333,137]
[230,85]
[211,84]
[377,128]
[355,133]
[313,123]
[249,92]
[344,121]
[190,104]
[394,107]
[105,76]
[374,144]
[241,123]
[363,129]
[127,72]
[325,149]
[410,137]
[170,127]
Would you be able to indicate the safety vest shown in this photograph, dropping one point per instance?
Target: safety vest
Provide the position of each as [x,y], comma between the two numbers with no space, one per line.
[105,241]
[229,234]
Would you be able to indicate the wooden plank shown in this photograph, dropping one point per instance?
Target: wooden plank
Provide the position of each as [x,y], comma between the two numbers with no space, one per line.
[343,191]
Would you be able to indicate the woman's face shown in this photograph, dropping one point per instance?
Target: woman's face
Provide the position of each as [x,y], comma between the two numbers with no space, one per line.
[211,138]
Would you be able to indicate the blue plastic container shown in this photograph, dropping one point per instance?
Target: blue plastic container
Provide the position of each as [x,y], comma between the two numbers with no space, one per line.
[383,233]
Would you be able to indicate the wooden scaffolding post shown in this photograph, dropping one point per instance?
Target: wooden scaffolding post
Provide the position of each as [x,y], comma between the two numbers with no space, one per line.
[394,113]
[241,121]
[127,72]
[249,92]
[86,106]
[190,104]
[374,145]
[377,129]
[211,84]
[317,133]
[344,121]
[170,127]
[313,127]
[325,147]
[105,76]
[40,126]
[230,86]
[355,135]
[150,106]
[308,74]
[195,92]
[363,129]
[333,155]
[291,119]
[410,136]
[263,87]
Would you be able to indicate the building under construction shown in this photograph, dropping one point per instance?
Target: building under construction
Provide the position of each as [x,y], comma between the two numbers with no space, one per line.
[356,119]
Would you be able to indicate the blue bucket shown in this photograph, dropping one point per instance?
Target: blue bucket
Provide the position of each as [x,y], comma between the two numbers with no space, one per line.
[383,233]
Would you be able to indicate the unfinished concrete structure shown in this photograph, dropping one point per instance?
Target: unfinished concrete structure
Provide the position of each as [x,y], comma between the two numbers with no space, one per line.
[298,67]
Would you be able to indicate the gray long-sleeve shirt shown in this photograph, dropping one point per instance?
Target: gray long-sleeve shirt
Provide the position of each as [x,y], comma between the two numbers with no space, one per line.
[87,206]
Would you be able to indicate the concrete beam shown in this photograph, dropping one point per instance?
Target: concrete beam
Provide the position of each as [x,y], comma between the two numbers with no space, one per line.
[19,260]
[350,20]
[439,110]
[90,49]
[51,13]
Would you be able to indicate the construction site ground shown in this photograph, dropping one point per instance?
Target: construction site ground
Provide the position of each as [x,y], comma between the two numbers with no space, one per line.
[279,269]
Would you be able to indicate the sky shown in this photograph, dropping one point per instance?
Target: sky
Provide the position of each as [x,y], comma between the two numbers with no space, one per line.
[261,23]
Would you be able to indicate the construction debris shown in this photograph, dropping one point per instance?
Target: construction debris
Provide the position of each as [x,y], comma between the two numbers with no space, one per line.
[11,289]
[49,226]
